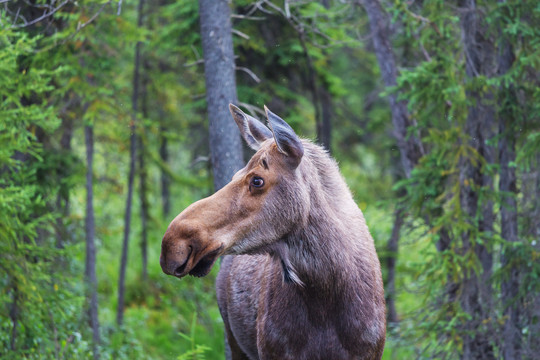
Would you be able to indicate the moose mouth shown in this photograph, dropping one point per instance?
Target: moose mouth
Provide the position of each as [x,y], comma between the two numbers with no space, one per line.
[203,267]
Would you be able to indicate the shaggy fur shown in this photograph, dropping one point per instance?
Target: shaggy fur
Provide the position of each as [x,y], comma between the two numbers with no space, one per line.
[304,280]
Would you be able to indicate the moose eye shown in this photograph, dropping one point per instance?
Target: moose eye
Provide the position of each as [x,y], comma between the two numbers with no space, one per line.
[257,182]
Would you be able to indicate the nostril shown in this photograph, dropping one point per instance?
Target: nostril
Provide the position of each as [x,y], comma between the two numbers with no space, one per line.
[180,270]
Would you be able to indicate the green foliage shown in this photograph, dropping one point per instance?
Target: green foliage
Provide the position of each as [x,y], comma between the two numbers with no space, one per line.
[29,255]
[197,351]
[437,93]
[76,68]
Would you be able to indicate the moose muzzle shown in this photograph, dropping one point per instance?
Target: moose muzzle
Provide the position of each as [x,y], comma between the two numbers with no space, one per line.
[187,254]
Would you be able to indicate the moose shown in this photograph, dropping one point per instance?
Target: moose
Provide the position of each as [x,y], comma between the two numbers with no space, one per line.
[300,278]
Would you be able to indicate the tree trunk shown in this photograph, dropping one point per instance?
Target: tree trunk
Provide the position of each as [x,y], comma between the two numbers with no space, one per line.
[165,180]
[325,135]
[392,248]
[410,146]
[311,79]
[90,265]
[143,191]
[326,121]
[476,293]
[511,346]
[530,202]
[132,156]
[219,71]
[62,199]
[143,199]
[509,232]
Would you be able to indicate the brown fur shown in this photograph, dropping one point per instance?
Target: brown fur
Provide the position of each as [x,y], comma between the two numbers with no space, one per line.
[302,280]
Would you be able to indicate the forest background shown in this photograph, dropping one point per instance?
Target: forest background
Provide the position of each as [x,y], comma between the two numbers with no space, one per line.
[432,109]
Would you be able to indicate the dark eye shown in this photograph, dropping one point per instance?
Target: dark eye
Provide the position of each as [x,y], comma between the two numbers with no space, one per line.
[257,182]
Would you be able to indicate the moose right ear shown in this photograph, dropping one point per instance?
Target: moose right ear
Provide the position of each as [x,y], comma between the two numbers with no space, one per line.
[253,131]
[286,139]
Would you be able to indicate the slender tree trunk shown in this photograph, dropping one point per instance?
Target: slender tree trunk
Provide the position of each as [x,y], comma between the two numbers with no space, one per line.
[165,180]
[143,191]
[311,78]
[530,202]
[326,124]
[410,146]
[476,293]
[132,156]
[392,248]
[62,199]
[511,346]
[325,135]
[219,71]
[509,232]
[90,265]
[143,199]
[127,225]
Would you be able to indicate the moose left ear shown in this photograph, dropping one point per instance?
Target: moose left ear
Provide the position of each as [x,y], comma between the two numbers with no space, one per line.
[252,130]
[286,139]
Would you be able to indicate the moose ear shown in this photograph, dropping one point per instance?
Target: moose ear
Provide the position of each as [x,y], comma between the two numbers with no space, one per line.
[252,130]
[287,141]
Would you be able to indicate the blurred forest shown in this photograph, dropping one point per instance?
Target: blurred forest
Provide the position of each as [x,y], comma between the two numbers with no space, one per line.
[432,109]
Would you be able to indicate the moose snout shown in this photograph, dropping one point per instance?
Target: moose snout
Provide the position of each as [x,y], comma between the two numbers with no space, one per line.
[174,258]
[187,248]
[189,245]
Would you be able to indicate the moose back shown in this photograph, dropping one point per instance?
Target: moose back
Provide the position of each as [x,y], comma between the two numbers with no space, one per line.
[301,278]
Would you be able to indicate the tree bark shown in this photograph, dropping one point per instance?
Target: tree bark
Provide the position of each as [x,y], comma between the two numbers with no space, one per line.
[509,232]
[132,156]
[62,199]
[165,180]
[90,264]
[476,293]
[219,71]
[511,346]
[311,80]
[143,199]
[392,248]
[410,147]
[530,202]
[325,135]
[326,121]
[143,174]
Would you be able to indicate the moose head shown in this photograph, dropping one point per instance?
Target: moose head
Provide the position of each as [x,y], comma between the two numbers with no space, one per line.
[263,202]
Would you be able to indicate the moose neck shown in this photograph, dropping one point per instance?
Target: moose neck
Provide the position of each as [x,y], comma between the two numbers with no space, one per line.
[316,257]
[316,251]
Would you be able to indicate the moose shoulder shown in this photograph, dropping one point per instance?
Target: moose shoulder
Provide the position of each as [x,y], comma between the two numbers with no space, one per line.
[301,279]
